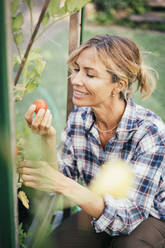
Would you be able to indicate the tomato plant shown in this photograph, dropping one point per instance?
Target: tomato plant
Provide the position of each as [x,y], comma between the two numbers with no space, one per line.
[35,64]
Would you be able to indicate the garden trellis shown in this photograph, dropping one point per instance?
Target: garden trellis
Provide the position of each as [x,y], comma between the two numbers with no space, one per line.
[8,184]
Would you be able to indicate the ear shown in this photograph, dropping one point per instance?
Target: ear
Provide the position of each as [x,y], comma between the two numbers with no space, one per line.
[121,85]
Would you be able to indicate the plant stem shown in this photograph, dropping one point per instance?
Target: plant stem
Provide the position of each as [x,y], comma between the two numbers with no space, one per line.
[31,41]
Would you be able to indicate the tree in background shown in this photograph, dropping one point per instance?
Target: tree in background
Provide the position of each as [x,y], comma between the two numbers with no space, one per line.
[114,10]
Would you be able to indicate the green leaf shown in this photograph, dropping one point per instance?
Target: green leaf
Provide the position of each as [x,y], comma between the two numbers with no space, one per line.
[29,3]
[17,22]
[32,86]
[53,8]
[34,55]
[18,38]
[13,7]
[46,18]
[32,73]
[62,11]
[22,236]
[16,60]
[73,5]
[40,66]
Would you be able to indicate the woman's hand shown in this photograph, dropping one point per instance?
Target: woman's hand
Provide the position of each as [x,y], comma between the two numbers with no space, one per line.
[41,123]
[41,176]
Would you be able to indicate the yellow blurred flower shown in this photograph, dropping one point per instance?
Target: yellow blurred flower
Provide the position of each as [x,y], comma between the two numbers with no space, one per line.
[114,178]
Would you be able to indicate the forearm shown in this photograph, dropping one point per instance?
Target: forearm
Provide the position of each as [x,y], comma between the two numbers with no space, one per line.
[91,203]
[49,149]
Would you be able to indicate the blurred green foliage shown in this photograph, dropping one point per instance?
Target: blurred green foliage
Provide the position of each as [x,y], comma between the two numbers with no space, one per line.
[138,6]
[22,236]
[119,12]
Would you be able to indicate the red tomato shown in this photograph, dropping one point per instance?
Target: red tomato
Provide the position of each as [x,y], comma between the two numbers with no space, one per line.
[40,104]
[16,151]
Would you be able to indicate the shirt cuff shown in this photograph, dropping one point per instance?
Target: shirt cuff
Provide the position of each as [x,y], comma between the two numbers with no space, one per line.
[107,217]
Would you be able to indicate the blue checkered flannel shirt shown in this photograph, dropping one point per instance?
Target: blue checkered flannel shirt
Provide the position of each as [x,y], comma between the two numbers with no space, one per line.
[140,141]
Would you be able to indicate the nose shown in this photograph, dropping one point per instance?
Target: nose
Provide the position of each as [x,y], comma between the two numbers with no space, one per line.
[77,78]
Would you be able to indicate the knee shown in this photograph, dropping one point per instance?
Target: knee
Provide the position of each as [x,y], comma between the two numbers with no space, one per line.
[129,242]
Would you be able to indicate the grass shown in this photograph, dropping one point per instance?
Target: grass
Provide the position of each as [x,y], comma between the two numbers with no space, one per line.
[54,81]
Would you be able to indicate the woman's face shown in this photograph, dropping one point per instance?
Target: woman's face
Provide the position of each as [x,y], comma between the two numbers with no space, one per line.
[92,84]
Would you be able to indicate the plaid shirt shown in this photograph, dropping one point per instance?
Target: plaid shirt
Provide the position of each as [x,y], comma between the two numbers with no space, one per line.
[140,141]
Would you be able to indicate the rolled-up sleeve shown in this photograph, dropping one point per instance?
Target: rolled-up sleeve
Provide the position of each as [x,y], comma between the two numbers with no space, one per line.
[122,216]
[119,216]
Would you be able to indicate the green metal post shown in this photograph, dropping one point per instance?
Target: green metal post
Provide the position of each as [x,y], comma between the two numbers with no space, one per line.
[82,25]
[8,218]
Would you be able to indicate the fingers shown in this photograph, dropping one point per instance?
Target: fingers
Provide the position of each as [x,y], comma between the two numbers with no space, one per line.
[28,178]
[28,175]
[47,120]
[30,181]
[27,171]
[31,184]
[41,123]
[31,164]
[38,119]
[40,175]
[29,114]
[27,164]
[34,175]
[31,172]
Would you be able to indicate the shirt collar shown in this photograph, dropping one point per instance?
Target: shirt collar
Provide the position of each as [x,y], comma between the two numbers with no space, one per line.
[129,119]
[127,123]
[89,118]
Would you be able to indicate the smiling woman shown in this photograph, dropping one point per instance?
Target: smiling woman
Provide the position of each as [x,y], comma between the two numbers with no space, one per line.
[106,125]
[90,80]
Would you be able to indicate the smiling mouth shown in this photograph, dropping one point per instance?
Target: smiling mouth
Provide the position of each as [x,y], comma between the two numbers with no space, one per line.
[79,94]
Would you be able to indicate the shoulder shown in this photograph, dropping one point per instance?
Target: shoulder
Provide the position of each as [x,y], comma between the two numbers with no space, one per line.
[149,120]
[138,118]
[150,130]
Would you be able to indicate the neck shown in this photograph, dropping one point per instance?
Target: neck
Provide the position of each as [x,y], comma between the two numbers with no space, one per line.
[109,116]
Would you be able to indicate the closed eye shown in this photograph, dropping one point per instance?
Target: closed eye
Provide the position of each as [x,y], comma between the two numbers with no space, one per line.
[90,76]
[76,70]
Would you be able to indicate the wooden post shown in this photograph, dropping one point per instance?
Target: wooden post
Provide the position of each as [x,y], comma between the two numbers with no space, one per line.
[74,42]
[8,206]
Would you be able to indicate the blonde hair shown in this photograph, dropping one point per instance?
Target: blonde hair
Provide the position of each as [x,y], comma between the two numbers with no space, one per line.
[122,59]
